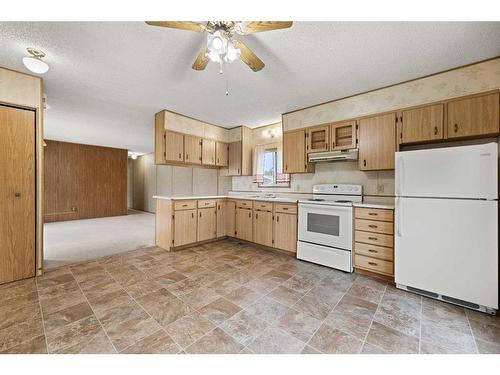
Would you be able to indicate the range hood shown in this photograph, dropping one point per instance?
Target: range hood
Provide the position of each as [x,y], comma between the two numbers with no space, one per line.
[344,155]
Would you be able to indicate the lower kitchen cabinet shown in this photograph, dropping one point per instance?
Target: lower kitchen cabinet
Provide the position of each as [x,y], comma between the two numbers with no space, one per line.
[185,227]
[263,228]
[285,232]
[230,218]
[221,218]
[244,224]
[207,222]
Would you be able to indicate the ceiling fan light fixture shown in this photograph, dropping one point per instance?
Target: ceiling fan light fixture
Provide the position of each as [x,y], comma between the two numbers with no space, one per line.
[34,62]
[217,42]
[232,53]
[213,56]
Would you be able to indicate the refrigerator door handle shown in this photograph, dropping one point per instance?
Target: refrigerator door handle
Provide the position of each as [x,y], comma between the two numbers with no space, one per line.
[400,176]
[399,231]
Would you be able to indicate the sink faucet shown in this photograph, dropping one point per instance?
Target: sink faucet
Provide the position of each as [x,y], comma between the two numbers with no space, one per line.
[269,195]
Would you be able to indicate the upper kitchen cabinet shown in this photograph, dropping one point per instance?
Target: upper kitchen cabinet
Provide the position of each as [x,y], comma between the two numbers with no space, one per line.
[422,124]
[294,152]
[208,152]
[473,116]
[192,149]
[377,142]
[234,166]
[317,138]
[174,146]
[343,136]
[221,154]
[240,153]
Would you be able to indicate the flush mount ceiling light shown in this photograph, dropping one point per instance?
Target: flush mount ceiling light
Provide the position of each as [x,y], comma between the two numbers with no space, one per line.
[34,62]
[221,47]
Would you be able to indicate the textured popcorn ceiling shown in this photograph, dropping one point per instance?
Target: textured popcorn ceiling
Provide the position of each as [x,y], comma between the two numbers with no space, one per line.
[108,79]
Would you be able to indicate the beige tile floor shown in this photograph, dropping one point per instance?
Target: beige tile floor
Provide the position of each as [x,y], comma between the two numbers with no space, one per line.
[227,297]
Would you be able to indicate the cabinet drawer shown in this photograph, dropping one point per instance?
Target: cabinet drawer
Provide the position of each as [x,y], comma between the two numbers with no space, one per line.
[285,208]
[374,214]
[374,238]
[206,203]
[263,206]
[184,205]
[243,204]
[374,251]
[374,226]
[374,265]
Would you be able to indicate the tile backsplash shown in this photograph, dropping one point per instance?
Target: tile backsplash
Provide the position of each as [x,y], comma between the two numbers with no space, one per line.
[374,182]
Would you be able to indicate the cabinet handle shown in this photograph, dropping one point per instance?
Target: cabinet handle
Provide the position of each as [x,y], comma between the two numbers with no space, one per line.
[372,226]
[326,146]
[435,130]
[192,214]
[184,205]
[456,127]
[200,213]
[17,195]
[372,263]
[372,213]
[180,155]
[277,218]
[373,238]
[249,214]
[285,208]
[187,156]
[372,251]
[286,167]
[333,144]
[364,162]
[256,216]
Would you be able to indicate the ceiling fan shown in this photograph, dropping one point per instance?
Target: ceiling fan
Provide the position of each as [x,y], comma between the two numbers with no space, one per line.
[221,47]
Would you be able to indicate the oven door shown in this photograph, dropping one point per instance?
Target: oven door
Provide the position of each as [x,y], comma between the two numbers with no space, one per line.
[326,225]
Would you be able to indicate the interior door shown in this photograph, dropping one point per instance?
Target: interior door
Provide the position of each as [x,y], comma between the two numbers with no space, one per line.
[449,247]
[17,194]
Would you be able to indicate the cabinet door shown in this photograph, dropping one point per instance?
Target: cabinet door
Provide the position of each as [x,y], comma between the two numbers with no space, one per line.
[235,158]
[221,218]
[473,116]
[192,149]
[377,142]
[285,232]
[317,139]
[174,146]
[343,136]
[244,224]
[208,152]
[185,227]
[207,224]
[263,228]
[230,218]
[422,124]
[294,152]
[221,154]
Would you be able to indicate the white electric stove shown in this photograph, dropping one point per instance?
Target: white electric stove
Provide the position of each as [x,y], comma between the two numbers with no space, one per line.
[326,225]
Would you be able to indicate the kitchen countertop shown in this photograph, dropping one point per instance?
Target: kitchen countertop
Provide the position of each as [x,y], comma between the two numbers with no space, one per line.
[376,202]
[242,197]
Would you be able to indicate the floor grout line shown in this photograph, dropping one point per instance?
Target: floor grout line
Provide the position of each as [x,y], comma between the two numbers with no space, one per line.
[420,329]
[41,315]
[93,312]
[373,318]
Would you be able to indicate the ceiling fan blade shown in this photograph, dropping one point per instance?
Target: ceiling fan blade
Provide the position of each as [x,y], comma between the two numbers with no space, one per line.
[183,25]
[201,61]
[260,26]
[248,57]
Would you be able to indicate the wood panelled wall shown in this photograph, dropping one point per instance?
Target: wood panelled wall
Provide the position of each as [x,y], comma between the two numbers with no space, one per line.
[84,181]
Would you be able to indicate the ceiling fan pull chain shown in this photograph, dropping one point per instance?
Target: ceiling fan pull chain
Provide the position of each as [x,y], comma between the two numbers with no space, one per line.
[227,87]
[221,62]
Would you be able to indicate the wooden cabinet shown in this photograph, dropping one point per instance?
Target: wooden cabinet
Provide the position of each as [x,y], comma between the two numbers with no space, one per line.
[294,152]
[285,231]
[474,116]
[174,146]
[221,154]
[192,149]
[17,194]
[374,240]
[263,227]
[185,227]
[234,168]
[317,139]
[208,152]
[243,224]
[377,142]
[230,218]
[207,224]
[422,124]
[221,218]
[343,136]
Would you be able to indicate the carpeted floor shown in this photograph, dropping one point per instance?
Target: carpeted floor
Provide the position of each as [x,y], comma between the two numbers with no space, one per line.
[74,241]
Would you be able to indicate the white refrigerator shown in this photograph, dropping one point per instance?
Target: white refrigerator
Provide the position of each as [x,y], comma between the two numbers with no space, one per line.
[446,243]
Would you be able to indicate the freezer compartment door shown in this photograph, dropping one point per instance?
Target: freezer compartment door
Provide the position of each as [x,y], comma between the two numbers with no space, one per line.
[326,256]
[448,246]
[451,172]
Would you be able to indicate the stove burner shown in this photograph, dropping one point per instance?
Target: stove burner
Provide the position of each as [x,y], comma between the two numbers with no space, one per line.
[317,200]
[343,201]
